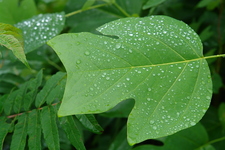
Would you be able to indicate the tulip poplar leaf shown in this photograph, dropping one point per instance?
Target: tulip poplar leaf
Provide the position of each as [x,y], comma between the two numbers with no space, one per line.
[157,61]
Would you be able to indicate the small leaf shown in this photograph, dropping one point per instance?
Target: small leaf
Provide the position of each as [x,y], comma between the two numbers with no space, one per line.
[90,123]
[69,126]
[4,129]
[30,93]
[88,4]
[55,83]
[39,29]
[20,133]
[49,127]
[34,130]
[152,3]
[11,38]
[155,60]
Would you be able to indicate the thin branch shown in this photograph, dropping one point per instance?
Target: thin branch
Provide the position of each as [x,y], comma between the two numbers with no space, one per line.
[82,10]
[15,115]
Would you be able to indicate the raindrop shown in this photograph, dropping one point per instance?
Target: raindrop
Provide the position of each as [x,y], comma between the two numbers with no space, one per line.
[78,62]
[152,122]
[118,45]
[193,123]
[107,78]
[87,53]
[149,89]
[130,51]
[154,127]
[128,79]
[208,97]
[148,99]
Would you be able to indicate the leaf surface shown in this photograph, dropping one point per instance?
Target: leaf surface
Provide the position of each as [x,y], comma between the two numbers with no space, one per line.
[20,133]
[39,29]
[34,130]
[156,60]
[13,11]
[49,127]
[90,123]
[69,126]
[11,38]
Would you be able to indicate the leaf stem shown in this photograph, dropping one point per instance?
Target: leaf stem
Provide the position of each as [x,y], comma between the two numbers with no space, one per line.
[81,10]
[15,115]
[121,9]
[211,142]
[215,56]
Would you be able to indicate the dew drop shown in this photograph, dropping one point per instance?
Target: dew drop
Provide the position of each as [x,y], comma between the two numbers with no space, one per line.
[193,123]
[154,127]
[87,53]
[152,122]
[148,99]
[149,89]
[78,62]
[208,97]
[128,79]
[107,78]
[118,45]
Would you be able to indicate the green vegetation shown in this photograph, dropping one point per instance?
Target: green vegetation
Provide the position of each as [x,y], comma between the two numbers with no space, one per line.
[112,74]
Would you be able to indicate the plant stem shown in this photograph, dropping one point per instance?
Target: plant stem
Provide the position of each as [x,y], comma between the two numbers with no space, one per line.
[213,141]
[121,9]
[81,10]
[215,56]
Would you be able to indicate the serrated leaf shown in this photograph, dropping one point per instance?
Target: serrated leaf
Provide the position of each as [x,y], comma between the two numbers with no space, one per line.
[69,126]
[90,123]
[192,138]
[152,3]
[34,130]
[13,11]
[54,84]
[20,133]
[156,60]
[49,127]
[4,129]
[39,29]
[11,38]
[31,90]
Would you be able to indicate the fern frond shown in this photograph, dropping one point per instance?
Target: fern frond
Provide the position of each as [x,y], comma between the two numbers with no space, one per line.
[29,112]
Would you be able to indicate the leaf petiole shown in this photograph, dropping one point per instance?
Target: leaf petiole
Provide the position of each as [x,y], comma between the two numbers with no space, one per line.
[82,10]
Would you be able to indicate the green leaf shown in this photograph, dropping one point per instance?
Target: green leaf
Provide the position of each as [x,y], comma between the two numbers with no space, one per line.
[88,4]
[11,38]
[192,138]
[34,130]
[49,127]
[4,128]
[69,126]
[39,29]
[13,11]
[156,60]
[48,93]
[20,133]
[120,142]
[221,114]
[122,109]
[90,123]
[152,3]
[30,93]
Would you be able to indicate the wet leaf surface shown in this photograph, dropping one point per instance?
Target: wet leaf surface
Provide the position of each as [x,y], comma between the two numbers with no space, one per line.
[157,61]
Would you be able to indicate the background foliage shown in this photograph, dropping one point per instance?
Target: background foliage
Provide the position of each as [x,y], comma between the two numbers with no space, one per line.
[32,92]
